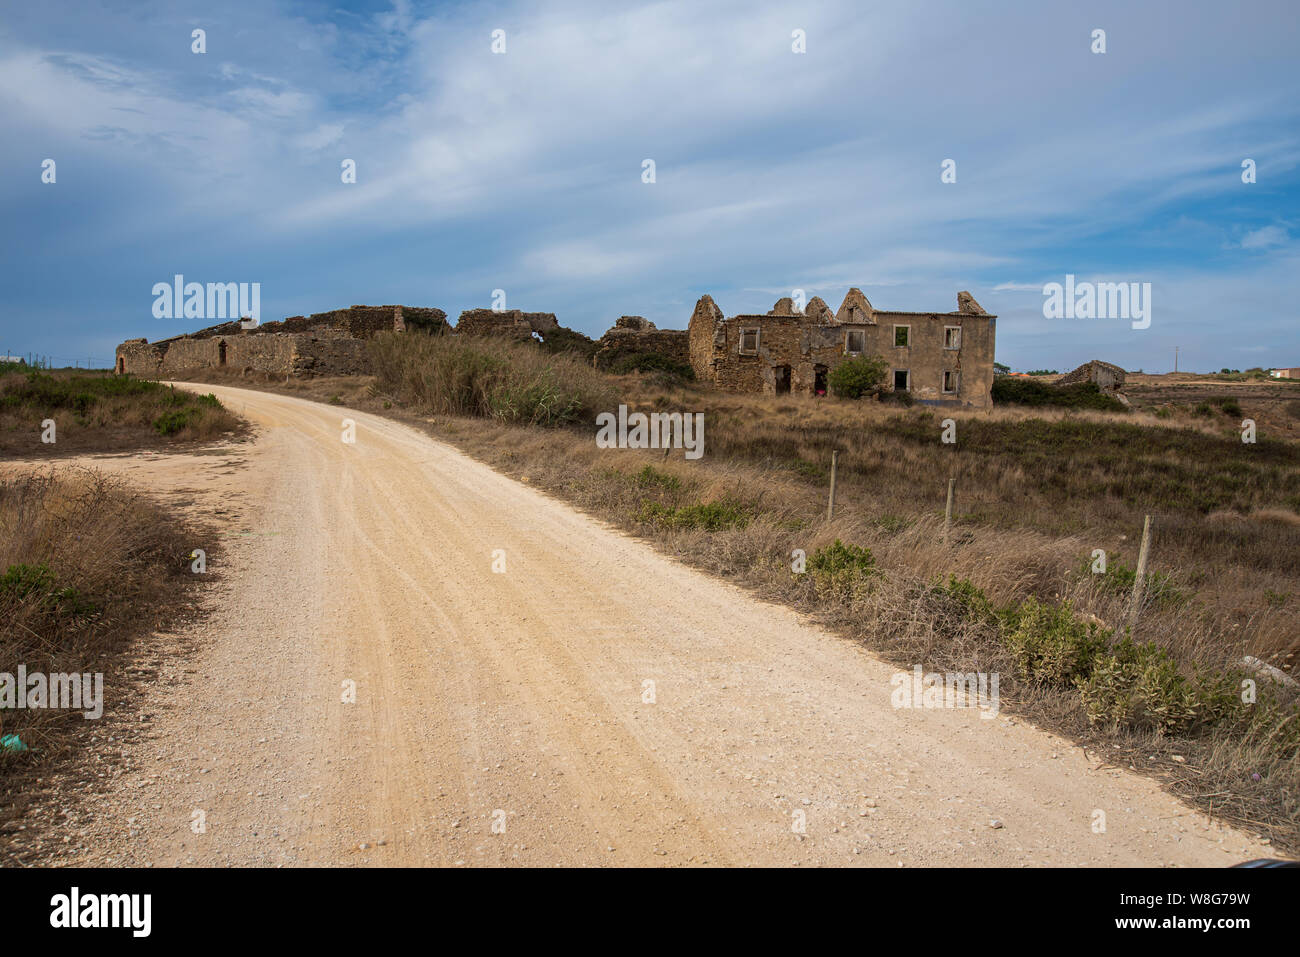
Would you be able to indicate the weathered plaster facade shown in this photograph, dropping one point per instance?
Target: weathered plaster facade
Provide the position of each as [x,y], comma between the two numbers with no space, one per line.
[940,358]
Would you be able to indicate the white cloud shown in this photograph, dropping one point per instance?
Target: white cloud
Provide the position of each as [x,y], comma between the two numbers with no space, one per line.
[1265,238]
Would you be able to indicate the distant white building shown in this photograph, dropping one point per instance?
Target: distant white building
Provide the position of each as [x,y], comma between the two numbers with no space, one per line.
[1285,373]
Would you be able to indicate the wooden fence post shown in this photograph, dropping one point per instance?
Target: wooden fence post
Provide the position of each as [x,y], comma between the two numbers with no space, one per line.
[947,515]
[1140,577]
[830,506]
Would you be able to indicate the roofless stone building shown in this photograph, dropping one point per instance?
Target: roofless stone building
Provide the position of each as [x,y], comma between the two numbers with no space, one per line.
[941,358]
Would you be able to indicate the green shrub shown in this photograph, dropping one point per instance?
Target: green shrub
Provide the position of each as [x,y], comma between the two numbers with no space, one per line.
[175,420]
[22,581]
[1139,687]
[854,378]
[562,341]
[841,568]
[892,524]
[35,585]
[1050,645]
[971,598]
[651,477]
[810,470]
[1230,406]
[667,366]
[710,516]
[1077,395]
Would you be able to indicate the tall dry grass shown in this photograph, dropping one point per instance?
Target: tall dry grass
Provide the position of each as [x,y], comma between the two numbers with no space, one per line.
[489,377]
[86,565]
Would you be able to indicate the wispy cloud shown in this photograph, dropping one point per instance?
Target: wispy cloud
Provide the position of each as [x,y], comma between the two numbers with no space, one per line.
[774,170]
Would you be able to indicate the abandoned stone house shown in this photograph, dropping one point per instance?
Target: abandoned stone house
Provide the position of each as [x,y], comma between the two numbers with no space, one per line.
[940,358]
[1109,378]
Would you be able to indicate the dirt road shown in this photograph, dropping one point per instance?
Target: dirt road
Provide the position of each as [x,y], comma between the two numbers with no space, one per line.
[516,699]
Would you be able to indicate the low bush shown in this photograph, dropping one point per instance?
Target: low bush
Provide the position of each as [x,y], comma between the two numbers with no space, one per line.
[1077,395]
[841,568]
[710,516]
[858,377]
[1050,645]
[665,367]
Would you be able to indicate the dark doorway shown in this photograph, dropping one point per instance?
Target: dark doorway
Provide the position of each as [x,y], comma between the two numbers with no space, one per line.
[121,365]
[900,380]
[782,374]
[221,352]
[819,380]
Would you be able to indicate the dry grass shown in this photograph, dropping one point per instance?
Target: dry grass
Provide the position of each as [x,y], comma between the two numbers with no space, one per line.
[86,567]
[512,382]
[97,411]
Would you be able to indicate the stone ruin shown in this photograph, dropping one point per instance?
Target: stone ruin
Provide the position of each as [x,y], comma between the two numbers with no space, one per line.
[942,358]
[938,358]
[510,323]
[1107,377]
[326,343]
[636,335]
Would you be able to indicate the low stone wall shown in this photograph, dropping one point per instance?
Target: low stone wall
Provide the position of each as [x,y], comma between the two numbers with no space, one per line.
[510,323]
[326,343]
[633,335]
[329,357]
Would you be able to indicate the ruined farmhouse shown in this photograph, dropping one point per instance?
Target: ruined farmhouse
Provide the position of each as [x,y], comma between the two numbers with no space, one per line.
[940,358]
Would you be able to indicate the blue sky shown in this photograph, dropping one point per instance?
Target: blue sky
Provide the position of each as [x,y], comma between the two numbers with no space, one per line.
[774,170]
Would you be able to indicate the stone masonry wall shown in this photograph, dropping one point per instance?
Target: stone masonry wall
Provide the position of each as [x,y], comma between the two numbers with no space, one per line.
[326,343]
[1109,378]
[633,335]
[802,349]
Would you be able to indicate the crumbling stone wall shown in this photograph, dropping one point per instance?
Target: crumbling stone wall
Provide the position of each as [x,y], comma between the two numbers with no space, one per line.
[1109,378]
[138,357]
[510,323]
[326,343]
[707,338]
[635,335]
[796,352]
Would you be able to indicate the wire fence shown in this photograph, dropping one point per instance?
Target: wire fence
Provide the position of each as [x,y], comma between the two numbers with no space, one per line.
[39,360]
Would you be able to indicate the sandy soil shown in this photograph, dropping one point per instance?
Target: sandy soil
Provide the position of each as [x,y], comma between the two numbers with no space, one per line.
[516,698]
